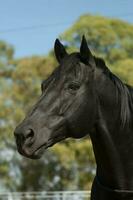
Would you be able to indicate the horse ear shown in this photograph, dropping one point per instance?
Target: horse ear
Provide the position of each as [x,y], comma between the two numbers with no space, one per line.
[85,52]
[59,50]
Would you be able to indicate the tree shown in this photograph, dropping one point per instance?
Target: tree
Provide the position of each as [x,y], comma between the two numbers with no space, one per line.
[20,81]
[111,39]
[124,70]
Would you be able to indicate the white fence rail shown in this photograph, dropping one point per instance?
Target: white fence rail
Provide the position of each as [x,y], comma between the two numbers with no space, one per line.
[59,195]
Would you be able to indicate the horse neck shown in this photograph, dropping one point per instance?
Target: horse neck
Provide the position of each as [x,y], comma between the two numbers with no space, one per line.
[112,143]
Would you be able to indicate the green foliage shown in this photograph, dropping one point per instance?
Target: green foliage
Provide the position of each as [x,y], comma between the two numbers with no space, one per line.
[70,164]
[110,38]
[124,70]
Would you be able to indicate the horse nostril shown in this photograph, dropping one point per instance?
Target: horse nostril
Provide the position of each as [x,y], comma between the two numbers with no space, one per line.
[29,133]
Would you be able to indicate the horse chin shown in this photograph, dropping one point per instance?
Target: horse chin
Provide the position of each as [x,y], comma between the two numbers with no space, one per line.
[37,154]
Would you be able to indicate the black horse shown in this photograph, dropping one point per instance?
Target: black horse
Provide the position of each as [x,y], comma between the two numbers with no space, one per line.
[83,96]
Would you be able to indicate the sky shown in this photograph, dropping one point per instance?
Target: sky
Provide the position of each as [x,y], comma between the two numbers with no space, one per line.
[32,26]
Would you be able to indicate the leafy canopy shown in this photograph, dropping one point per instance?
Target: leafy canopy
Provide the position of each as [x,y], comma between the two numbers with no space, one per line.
[70,164]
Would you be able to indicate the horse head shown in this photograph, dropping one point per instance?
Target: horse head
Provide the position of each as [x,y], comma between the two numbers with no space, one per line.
[66,107]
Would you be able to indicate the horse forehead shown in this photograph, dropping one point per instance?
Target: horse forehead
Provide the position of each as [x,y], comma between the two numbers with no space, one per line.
[70,64]
[71,59]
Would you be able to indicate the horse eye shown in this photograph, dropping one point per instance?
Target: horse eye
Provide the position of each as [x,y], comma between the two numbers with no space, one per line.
[74,86]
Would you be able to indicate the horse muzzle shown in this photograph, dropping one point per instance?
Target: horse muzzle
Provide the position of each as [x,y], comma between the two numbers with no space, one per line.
[32,143]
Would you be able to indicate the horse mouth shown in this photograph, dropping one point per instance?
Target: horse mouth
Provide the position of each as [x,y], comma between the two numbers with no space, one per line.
[36,154]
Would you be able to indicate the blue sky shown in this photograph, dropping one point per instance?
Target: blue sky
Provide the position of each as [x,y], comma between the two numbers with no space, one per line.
[47,19]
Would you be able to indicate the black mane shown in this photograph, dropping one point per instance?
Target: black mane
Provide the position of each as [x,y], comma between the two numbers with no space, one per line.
[125,92]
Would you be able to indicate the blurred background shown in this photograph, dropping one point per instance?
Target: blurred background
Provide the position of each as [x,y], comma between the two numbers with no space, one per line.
[28,30]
